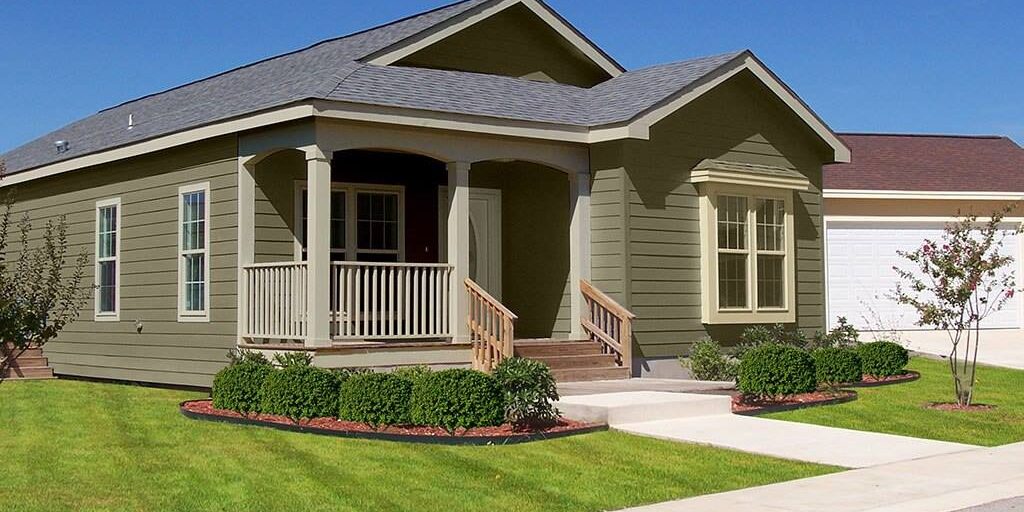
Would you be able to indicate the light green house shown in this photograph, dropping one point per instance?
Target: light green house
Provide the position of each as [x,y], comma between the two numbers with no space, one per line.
[437,191]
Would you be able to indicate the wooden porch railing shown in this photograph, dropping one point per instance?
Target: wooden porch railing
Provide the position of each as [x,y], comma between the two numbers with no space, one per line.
[608,323]
[491,328]
[373,301]
[274,301]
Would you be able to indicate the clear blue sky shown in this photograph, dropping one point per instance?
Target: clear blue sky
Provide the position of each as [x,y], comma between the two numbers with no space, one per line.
[865,65]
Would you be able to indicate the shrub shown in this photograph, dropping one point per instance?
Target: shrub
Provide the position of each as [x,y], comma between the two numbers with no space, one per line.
[529,390]
[291,358]
[843,335]
[457,398]
[775,334]
[883,358]
[773,370]
[708,362]
[300,392]
[413,373]
[835,366]
[238,386]
[376,399]
[239,356]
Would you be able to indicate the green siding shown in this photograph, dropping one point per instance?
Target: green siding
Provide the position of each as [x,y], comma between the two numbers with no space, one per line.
[165,351]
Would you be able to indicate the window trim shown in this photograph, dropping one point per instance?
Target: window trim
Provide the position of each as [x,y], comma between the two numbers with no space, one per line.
[183,315]
[351,191]
[107,316]
[711,312]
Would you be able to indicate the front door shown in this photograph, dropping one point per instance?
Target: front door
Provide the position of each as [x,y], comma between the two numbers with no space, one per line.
[484,236]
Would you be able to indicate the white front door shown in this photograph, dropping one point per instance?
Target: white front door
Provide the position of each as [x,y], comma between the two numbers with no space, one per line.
[484,236]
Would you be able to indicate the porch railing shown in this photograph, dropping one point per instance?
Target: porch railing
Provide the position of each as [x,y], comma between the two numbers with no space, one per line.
[608,323]
[390,300]
[274,302]
[491,328]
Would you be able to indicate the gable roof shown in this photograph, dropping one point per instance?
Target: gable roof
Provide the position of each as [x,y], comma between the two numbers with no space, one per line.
[335,70]
[928,163]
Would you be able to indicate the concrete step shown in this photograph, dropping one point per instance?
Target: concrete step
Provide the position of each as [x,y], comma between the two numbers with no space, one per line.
[537,349]
[30,362]
[642,406]
[589,374]
[26,373]
[577,362]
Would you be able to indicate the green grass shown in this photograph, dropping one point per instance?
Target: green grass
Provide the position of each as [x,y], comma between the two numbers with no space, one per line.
[900,409]
[70,445]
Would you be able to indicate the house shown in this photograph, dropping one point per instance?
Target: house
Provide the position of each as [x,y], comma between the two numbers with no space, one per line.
[455,187]
[898,191]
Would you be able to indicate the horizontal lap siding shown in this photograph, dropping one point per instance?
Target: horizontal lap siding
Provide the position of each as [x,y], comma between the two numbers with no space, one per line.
[164,351]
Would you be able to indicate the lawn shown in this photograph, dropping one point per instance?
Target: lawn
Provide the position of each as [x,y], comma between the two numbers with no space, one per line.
[899,409]
[71,445]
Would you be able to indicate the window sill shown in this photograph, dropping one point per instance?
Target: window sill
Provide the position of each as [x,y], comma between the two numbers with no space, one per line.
[193,318]
[733,317]
[107,317]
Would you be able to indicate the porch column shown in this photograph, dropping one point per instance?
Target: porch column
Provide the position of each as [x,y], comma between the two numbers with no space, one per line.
[318,259]
[579,248]
[246,238]
[458,247]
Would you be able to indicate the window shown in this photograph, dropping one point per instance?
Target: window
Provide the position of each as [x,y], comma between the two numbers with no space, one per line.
[194,252]
[108,252]
[366,222]
[749,270]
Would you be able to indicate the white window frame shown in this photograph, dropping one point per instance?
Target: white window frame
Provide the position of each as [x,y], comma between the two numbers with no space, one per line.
[204,315]
[115,315]
[712,312]
[351,191]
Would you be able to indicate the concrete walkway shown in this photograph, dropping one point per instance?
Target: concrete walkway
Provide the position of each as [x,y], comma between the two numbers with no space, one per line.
[662,385]
[942,483]
[791,440]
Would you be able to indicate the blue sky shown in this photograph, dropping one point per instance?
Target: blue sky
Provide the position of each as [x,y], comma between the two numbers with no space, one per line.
[866,65]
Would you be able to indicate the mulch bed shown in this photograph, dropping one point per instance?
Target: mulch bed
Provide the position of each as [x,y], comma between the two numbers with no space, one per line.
[504,434]
[751,406]
[869,381]
[945,406]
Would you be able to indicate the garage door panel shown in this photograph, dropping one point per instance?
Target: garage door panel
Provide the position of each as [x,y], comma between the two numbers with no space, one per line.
[861,256]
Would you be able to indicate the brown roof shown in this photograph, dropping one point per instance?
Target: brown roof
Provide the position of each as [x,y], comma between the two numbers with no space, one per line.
[930,163]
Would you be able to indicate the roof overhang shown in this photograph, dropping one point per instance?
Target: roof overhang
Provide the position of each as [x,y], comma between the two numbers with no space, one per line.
[415,43]
[737,173]
[923,195]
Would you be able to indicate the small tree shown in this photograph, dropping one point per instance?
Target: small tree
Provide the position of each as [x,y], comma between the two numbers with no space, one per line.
[39,295]
[955,284]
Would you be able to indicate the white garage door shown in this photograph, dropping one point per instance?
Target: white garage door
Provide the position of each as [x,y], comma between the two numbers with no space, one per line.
[860,274]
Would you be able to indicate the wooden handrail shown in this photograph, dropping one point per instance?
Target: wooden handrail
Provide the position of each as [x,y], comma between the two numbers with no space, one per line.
[608,323]
[491,328]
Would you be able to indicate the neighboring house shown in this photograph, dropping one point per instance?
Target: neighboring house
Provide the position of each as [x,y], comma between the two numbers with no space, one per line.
[898,191]
[455,168]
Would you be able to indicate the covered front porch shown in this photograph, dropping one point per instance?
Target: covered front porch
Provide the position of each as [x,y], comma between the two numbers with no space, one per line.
[388,240]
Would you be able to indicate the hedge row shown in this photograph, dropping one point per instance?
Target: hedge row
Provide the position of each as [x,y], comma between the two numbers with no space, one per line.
[521,392]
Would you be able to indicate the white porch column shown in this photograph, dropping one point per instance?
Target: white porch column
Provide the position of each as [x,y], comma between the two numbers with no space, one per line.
[458,246]
[579,248]
[318,259]
[246,237]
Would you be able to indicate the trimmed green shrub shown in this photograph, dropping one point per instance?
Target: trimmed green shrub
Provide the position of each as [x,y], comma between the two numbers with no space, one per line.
[529,390]
[301,392]
[413,373]
[457,398]
[843,335]
[883,358]
[238,386]
[774,370]
[376,399]
[774,334]
[293,358]
[707,361]
[835,366]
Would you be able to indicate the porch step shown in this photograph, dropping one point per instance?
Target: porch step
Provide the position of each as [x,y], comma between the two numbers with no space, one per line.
[32,352]
[561,362]
[572,360]
[533,349]
[26,373]
[30,364]
[590,374]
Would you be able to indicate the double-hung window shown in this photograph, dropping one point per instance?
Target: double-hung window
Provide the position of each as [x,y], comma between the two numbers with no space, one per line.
[194,253]
[366,222]
[108,265]
[748,255]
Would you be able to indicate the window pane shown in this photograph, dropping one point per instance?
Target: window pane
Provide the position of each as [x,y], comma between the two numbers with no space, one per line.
[107,232]
[732,281]
[107,286]
[770,281]
[195,282]
[193,232]
[377,226]
[732,222]
[337,220]
[771,221]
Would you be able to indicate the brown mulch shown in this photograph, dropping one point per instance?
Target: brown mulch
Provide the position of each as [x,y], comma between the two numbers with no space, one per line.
[334,424]
[945,406]
[742,403]
[871,379]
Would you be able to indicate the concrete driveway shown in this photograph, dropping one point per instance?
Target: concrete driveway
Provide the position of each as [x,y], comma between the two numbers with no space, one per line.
[999,347]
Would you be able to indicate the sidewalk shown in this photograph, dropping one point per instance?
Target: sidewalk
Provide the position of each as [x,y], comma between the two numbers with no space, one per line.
[942,483]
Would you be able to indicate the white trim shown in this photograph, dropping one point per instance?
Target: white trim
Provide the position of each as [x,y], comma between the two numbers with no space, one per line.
[108,316]
[832,193]
[413,44]
[749,179]
[351,190]
[183,315]
[914,218]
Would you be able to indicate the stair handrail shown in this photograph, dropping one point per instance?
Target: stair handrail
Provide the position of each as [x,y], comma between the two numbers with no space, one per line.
[491,328]
[609,323]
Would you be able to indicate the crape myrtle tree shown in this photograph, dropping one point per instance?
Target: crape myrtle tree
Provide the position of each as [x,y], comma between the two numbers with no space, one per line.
[955,283]
[40,286]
